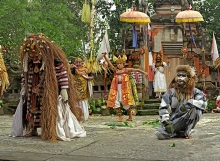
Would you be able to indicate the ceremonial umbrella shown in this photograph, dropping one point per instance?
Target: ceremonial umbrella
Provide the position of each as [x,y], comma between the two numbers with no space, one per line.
[189,16]
[135,17]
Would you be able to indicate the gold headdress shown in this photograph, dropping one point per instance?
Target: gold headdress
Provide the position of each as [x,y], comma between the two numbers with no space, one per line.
[120,59]
[159,54]
[78,59]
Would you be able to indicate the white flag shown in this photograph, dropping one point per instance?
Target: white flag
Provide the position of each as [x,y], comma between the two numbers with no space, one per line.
[214,52]
[104,47]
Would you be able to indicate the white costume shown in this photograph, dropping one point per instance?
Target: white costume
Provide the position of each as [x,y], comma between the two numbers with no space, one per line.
[160,84]
[67,126]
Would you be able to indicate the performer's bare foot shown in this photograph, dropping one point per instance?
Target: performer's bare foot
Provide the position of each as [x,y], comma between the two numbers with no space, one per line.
[32,133]
[128,119]
[120,119]
[189,137]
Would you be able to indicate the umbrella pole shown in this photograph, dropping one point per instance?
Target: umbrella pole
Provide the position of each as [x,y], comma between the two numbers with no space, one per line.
[191,34]
[134,37]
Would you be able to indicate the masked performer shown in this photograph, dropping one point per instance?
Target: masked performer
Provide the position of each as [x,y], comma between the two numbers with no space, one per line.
[83,84]
[49,91]
[217,102]
[4,81]
[121,90]
[181,106]
[160,85]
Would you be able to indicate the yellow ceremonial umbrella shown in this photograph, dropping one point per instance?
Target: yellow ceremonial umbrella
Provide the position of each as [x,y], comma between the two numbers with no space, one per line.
[135,17]
[189,16]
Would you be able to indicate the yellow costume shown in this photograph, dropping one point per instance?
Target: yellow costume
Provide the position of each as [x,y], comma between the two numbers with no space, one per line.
[4,81]
[83,84]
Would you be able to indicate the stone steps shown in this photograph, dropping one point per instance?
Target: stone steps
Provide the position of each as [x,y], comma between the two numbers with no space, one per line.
[150,107]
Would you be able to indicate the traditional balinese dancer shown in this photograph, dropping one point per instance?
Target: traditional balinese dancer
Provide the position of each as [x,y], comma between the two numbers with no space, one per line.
[121,90]
[83,84]
[217,103]
[160,85]
[181,106]
[48,97]
[4,80]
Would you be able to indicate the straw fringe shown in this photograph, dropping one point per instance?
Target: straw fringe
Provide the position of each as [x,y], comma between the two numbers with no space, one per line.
[49,111]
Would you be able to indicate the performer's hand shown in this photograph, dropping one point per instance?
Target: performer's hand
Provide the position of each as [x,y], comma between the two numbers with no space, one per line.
[72,66]
[146,75]
[168,126]
[90,78]
[185,107]
[64,95]
[182,108]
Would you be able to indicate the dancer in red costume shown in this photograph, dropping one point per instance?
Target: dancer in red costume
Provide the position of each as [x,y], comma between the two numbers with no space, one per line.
[120,91]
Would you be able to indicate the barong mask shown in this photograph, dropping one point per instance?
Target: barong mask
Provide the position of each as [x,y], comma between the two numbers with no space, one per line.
[185,80]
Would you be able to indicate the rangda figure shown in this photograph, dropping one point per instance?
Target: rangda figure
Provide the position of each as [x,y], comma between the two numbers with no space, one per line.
[181,106]
[121,90]
[49,94]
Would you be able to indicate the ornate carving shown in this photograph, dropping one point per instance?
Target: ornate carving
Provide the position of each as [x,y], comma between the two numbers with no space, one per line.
[158,3]
[185,4]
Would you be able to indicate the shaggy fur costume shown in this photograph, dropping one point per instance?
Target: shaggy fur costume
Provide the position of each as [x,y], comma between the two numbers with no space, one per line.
[48,51]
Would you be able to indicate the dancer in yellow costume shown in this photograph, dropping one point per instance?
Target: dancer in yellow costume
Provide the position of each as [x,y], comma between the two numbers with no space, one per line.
[4,81]
[121,90]
[83,84]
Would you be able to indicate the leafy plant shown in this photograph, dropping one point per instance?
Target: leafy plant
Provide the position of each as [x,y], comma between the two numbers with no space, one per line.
[154,123]
[96,105]
[1,103]
[210,105]
[119,124]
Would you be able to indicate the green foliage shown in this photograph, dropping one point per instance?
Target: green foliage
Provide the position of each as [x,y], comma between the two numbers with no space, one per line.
[172,145]
[53,18]
[155,123]
[119,124]
[210,104]
[61,21]
[96,105]
[1,103]
[210,11]
[112,17]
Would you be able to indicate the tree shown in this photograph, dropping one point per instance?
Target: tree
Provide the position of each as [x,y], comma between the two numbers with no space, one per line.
[112,17]
[53,18]
[210,11]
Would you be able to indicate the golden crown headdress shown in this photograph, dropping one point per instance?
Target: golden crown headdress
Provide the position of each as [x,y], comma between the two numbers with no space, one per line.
[78,59]
[159,54]
[119,58]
